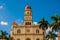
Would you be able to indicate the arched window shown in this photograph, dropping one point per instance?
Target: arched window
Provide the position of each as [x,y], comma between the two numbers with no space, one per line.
[37,39]
[28,39]
[12,38]
[28,12]
[18,31]
[37,31]
[18,39]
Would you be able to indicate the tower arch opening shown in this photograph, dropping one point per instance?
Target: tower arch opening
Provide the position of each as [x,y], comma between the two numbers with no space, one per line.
[28,39]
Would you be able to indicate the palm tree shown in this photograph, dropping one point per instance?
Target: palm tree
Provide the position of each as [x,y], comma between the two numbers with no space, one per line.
[3,34]
[43,24]
[55,18]
[56,22]
[50,36]
[10,38]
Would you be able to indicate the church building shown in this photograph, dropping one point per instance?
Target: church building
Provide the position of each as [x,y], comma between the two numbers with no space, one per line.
[28,30]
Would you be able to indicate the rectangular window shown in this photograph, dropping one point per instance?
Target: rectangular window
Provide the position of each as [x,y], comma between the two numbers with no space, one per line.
[28,23]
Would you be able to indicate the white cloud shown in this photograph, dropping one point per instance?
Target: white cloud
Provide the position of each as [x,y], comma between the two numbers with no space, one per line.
[1,7]
[3,23]
[36,23]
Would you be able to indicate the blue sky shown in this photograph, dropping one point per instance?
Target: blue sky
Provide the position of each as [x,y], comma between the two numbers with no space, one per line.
[13,10]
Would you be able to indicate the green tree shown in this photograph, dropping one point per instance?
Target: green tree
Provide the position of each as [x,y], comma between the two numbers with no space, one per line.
[10,38]
[3,34]
[56,23]
[43,24]
[50,36]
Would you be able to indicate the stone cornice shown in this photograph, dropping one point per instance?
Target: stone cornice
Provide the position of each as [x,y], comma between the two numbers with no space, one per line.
[26,26]
[28,34]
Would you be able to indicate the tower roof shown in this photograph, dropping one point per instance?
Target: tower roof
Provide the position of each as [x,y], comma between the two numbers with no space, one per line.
[27,7]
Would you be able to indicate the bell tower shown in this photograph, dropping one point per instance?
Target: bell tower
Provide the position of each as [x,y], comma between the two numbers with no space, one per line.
[27,15]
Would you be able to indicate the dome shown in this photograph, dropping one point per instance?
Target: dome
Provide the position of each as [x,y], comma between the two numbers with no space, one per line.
[14,23]
[27,7]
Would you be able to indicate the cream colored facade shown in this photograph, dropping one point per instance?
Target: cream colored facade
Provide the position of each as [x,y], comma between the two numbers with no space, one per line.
[28,30]
[58,36]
